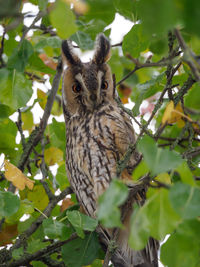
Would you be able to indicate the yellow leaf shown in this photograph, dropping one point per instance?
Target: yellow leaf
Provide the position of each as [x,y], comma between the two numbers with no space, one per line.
[163,178]
[80,7]
[171,114]
[39,197]
[27,119]
[14,175]
[53,155]
[42,97]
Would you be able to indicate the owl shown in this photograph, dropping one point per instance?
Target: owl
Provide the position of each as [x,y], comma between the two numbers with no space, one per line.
[98,133]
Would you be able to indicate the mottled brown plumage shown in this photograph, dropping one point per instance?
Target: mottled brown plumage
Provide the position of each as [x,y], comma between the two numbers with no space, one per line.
[98,133]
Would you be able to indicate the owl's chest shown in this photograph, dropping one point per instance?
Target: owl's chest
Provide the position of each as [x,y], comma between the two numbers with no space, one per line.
[91,144]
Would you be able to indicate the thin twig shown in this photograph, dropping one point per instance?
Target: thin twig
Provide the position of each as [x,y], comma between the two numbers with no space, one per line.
[43,252]
[188,56]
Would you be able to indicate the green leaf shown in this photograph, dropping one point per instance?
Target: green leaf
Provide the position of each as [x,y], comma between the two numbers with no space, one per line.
[155,218]
[183,246]
[53,41]
[15,89]
[18,253]
[26,207]
[139,234]
[80,252]
[83,40]
[63,19]
[20,56]
[61,177]
[185,200]
[5,111]
[108,211]
[156,17]
[135,41]
[7,136]
[54,229]
[57,134]
[126,8]
[192,99]
[101,10]
[145,90]
[158,160]
[36,64]
[191,13]
[186,174]
[116,65]
[81,222]
[140,170]
[9,204]
[36,245]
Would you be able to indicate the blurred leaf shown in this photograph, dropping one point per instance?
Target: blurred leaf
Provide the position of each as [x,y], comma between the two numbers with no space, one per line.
[53,155]
[15,89]
[163,178]
[156,17]
[7,234]
[7,136]
[126,8]
[103,10]
[57,134]
[182,246]
[63,19]
[61,177]
[155,218]
[135,41]
[66,203]
[5,111]
[185,200]
[26,207]
[191,13]
[158,160]
[186,174]
[36,64]
[18,253]
[145,90]
[80,252]
[48,61]
[83,40]
[54,229]
[140,170]
[20,56]
[81,222]
[108,211]
[16,176]
[35,245]
[35,196]
[115,64]
[92,27]
[42,98]
[53,41]
[9,204]
[27,121]
[192,98]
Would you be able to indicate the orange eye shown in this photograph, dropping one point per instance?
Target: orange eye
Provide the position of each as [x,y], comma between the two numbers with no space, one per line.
[104,85]
[76,88]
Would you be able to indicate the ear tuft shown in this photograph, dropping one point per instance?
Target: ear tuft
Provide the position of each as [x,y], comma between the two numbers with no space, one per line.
[68,54]
[102,49]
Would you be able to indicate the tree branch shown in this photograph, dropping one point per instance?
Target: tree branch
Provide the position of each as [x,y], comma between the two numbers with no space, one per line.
[43,252]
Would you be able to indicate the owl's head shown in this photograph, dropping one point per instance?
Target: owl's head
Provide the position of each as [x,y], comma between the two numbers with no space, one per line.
[86,86]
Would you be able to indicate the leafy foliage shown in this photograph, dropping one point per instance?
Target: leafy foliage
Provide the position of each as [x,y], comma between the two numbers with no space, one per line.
[156,65]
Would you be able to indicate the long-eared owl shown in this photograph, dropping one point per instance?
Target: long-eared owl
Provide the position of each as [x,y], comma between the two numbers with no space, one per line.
[98,133]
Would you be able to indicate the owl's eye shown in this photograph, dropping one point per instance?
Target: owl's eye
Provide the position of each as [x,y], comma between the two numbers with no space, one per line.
[76,88]
[104,85]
